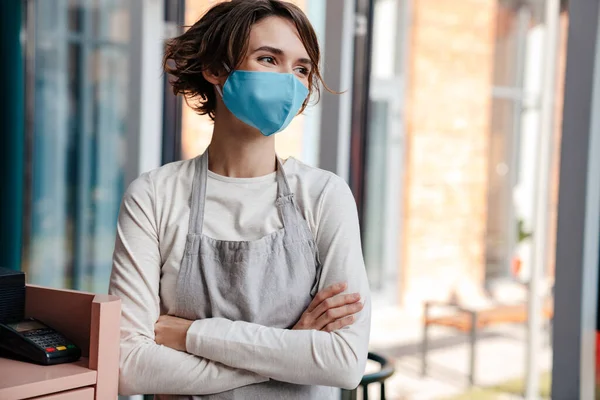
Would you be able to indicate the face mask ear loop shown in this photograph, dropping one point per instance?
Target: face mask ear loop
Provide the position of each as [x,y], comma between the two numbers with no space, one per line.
[219,90]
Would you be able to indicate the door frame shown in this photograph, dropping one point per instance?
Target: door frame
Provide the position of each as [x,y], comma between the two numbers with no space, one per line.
[578,231]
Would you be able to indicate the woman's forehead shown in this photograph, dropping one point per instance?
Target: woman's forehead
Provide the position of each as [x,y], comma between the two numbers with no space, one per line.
[278,33]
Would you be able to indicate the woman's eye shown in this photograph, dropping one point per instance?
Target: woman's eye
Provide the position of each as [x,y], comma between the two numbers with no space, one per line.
[268,59]
[302,70]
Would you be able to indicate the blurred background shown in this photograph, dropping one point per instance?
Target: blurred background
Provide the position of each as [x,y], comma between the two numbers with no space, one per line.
[448,132]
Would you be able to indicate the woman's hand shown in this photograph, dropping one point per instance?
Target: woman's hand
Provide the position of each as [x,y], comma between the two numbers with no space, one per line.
[330,311]
[172,331]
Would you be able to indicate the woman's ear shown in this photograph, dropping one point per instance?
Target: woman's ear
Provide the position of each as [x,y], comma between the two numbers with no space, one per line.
[216,78]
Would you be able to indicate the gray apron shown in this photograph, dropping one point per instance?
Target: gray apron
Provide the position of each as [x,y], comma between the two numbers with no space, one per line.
[269,281]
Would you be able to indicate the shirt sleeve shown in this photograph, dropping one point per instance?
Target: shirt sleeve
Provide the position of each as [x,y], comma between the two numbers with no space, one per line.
[306,357]
[146,367]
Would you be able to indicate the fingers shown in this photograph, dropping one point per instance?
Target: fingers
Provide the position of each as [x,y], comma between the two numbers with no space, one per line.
[330,310]
[335,302]
[339,324]
[325,294]
[333,315]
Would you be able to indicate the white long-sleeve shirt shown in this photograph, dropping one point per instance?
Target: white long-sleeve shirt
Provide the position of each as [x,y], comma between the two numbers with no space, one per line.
[224,354]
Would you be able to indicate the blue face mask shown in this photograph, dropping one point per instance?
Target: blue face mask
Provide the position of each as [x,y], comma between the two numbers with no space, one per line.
[267,101]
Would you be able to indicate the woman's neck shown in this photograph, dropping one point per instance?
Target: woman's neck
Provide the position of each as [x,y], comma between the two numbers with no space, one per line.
[238,151]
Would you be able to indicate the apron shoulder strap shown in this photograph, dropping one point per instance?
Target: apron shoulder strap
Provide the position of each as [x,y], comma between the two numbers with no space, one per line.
[198,198]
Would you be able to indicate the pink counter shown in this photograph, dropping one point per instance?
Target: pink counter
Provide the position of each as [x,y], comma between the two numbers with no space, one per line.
[91,322]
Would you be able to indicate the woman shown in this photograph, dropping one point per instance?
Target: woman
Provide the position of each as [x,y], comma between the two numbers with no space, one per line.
[241,276]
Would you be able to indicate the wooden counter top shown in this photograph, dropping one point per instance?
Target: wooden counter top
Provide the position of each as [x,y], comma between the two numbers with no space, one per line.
[22,380]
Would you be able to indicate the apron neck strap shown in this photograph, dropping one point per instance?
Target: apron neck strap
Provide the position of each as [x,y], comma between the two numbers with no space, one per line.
[283,187]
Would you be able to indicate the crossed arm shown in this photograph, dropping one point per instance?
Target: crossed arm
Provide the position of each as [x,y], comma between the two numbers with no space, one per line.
[221,354]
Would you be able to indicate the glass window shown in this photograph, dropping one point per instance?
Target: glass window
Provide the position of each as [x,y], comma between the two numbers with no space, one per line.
[79,91]
[374,240]
[513,135]
[470,134]
[384,164]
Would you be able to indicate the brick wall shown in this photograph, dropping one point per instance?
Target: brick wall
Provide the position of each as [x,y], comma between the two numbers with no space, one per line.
[448,122]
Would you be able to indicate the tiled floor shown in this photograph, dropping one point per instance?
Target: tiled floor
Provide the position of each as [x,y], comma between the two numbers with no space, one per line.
[398,335]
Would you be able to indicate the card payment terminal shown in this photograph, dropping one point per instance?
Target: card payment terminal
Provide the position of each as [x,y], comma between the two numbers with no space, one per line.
[37,342]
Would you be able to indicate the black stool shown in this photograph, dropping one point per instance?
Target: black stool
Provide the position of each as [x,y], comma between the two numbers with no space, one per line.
[387,370]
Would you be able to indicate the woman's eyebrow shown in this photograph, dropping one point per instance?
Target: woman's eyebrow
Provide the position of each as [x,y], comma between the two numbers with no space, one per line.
[270,49]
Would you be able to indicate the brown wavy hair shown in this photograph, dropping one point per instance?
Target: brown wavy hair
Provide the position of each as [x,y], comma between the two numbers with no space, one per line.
[221,36]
